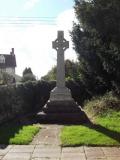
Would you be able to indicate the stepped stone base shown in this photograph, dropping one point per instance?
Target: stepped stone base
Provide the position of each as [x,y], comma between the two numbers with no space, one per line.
[63,112]
[62,118]
[68,106]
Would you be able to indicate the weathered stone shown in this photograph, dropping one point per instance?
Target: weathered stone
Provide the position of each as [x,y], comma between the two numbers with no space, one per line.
[4,149]
[45,159]
[48,138]
[111,151]
[73,150]
[68,106]
[60,44]
[61,108]
[94,152]
[17,156]
[62,118]
[60,94]
[73,156]
[46,155]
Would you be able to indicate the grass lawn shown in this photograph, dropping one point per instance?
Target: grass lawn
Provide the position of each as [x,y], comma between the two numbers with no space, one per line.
[17,134]
[105,131]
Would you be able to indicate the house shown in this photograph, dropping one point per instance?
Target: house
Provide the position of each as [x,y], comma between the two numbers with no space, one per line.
[8,63]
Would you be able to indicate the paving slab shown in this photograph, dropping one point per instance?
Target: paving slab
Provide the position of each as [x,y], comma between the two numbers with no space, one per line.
[73,156]
[23,146]
[45,159]
[113,158]
[17,156]
[47,143]
[4,149]
[93,158]
[49,134]
[111,151]
[46,146]
[47,150]
[1,157]
[22,149]
[46,155]
[72,150]
[94,152]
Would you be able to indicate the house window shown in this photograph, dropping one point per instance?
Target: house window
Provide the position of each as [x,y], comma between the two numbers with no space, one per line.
[2,59]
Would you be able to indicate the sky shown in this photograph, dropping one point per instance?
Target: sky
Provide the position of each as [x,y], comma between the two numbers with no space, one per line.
[30,26]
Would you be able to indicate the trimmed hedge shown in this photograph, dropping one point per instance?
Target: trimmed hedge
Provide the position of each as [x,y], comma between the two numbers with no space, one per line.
[78,91]
[17,100]
[30,97]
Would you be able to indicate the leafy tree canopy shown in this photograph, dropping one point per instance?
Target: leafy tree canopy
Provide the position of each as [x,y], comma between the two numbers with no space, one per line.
[27,70]
[28,75]
[71,71]
[96,39]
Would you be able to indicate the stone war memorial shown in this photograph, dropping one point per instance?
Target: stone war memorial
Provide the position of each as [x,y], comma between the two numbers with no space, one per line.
[61,107]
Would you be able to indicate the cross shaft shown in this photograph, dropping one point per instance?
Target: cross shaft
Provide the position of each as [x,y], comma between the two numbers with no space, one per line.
[60,45]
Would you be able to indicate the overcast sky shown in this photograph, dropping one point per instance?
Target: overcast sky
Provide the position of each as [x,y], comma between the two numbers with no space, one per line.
[30,26]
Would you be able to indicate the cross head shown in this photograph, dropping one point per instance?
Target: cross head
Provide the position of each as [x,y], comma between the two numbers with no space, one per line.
[60,43]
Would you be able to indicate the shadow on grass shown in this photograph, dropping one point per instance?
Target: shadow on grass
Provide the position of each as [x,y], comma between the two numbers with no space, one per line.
[108,132]
[8,131]
[99,128]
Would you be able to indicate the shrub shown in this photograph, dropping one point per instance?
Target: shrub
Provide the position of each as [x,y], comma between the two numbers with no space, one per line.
[78,91]
[28,77]
[103,105]
[29,97]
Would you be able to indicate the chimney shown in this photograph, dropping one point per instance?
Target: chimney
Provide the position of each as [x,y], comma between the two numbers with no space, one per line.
[12,52]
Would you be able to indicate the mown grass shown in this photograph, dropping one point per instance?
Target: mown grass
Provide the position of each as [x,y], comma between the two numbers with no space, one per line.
[17,134]
[105,131]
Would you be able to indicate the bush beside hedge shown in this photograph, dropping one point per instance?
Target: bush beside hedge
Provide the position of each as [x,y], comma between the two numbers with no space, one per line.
[30,97]
[103,105]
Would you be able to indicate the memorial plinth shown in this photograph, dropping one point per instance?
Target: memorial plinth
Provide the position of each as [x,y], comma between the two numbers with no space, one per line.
[61,107]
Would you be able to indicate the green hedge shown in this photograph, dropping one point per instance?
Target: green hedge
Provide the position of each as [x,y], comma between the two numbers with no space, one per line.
[30,97]
[78,91]
[17,100]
